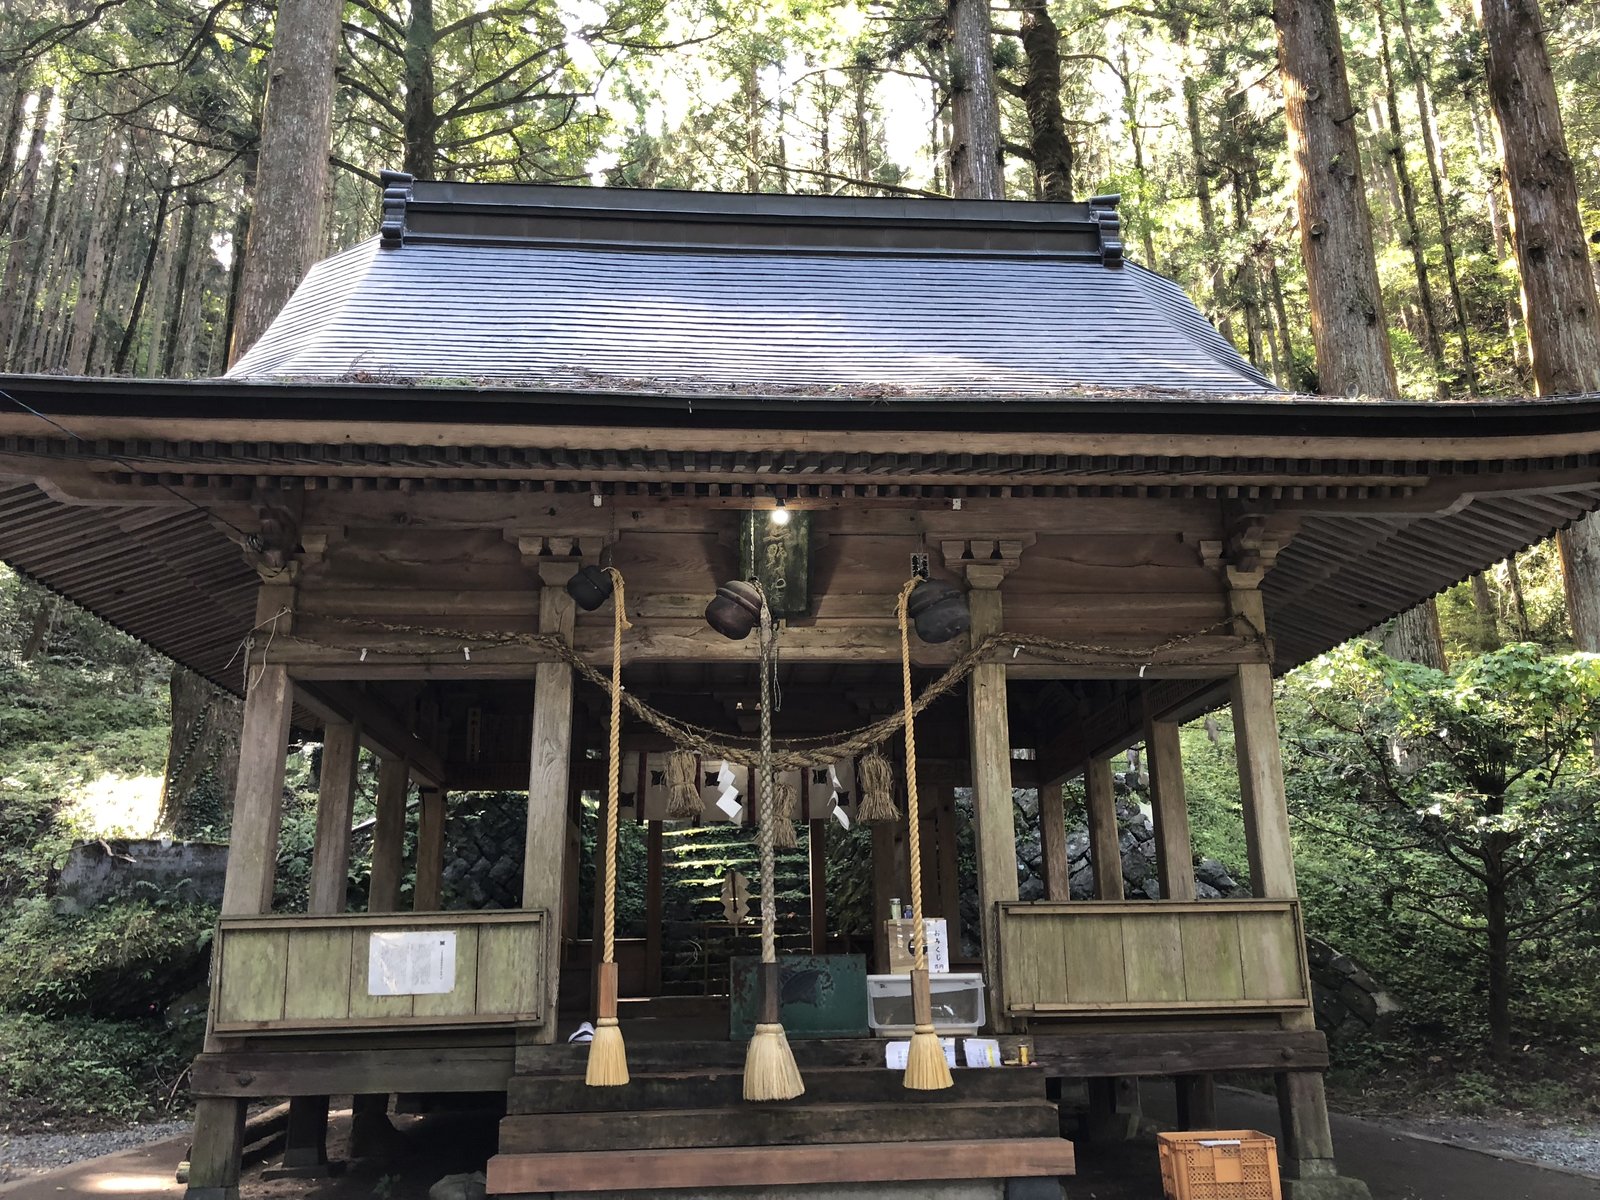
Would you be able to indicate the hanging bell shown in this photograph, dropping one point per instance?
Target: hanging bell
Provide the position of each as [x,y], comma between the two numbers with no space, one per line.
[735,610]
[590,587]
[939,611]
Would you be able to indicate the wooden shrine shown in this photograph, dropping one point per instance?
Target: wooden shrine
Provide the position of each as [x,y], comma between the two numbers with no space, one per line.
[368,527]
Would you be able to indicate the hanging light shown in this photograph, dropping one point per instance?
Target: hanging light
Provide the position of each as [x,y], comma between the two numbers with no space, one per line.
[939,610]
[779,516]
[735,609]
[590,587]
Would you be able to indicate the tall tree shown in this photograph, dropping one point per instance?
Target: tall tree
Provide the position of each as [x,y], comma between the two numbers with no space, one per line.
[286,223]
[975,172]
[1559,304]
[1347,321]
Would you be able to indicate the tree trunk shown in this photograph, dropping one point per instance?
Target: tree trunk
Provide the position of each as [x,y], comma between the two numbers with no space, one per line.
[119,363]
[1486,612]
[202,755]
[1047,126]
[44,619]
[1498,938]
[1280,312]
[1408,209]
[17,97]
[1519,602]
[21,222]
[184,253]
[1347,322]
[422,123]
[95,257]
[292,172]
[1208,215]
[974,105]
[1420,65]
[1559,304]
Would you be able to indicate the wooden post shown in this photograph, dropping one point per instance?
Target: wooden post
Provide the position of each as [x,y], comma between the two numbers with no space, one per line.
[544,847]
[654,865]
[1170,808]
[1196,1101]
[336,789]
[1053,840]
[890,878]
[1260,758]
[388,836]
[1105,839]
[428,893]
[305,1146]
[1306,1146]
[817,854]
[949,866]
[993,828]
[247,891]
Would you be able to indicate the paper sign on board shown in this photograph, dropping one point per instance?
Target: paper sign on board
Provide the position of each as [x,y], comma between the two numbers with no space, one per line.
[411,963]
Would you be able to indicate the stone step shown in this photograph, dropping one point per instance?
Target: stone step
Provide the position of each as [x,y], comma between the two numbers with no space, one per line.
[651,1172]
[824,1085]
[794,1123]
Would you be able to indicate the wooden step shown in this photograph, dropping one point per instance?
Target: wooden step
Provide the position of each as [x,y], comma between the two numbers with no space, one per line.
[824,1085]
[777,1166]
[652,1050]
[790,1124]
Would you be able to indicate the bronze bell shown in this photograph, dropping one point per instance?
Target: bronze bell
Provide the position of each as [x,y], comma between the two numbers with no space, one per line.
[735,610]
[590,587]
[939,611]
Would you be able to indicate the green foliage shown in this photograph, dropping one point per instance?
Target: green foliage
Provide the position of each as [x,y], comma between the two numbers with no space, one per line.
[122,958]
[66,1071]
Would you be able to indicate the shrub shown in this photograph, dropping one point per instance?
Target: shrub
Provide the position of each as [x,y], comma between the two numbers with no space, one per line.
[55,1070]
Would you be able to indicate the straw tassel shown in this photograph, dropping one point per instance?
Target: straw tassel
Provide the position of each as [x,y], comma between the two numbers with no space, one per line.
[683,786]
[786,804]
[877,789]
[608,1058]
[927,1069]
[770,1072]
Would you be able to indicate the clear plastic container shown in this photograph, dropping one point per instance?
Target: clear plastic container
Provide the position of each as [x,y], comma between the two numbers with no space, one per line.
[958,1006]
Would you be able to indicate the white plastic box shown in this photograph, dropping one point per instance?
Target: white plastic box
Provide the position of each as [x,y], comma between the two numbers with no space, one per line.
[958,1006]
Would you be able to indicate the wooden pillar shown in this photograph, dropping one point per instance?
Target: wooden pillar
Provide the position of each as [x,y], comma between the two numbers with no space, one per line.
[1306,1145]
[388,836]
[817,854]
[429,890]
[1105,839]
[1053,840]
[1170,808]
[654,895]
[247,891]
[890,878]
[336,790]
[949,866]
[1196,1101]
[993,829]
[1260,758]
[544,847]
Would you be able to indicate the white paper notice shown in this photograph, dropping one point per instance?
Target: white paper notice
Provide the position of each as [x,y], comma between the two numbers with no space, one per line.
[896,1053]
[981,1052]
[411,963]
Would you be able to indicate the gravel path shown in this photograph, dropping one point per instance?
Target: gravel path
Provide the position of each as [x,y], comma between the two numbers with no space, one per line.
[1576,1147]
[26,1154]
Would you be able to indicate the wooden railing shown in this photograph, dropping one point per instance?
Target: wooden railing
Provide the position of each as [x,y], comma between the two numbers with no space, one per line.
[305,974]
[1151,957]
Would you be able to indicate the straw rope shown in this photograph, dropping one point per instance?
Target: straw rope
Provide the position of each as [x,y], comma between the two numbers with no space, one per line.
[614,766]
[919,961]
[799,752]
[769,890]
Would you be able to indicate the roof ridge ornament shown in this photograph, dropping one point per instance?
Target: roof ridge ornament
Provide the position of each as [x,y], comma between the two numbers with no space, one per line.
[396,195]
[1103,212]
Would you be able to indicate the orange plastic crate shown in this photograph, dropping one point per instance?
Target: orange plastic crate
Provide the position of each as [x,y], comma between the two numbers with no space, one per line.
[1219,1164]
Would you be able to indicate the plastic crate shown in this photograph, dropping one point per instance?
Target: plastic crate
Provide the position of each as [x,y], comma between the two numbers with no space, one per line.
[1220,1164]
[958,1006]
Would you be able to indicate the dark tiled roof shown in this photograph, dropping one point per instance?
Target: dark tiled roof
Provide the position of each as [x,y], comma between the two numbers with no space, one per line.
[577,288]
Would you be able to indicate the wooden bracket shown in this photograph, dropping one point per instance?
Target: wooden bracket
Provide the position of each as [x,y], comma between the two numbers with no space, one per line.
[538,547]
[985,561]
[1247,550]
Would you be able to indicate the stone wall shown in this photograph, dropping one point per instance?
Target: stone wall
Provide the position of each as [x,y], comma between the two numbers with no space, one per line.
[134,867]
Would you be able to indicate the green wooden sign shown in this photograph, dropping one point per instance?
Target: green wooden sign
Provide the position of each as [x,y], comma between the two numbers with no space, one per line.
[821,995]
[778,557]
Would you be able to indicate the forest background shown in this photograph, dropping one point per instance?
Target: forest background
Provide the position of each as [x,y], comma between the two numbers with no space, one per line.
[136,168]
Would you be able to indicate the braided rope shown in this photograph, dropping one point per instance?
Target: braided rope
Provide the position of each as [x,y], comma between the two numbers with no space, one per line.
[769,890]
[800,752]
[919,961]
[614,764]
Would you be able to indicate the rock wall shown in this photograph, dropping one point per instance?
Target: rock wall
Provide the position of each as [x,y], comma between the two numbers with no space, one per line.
[100,870]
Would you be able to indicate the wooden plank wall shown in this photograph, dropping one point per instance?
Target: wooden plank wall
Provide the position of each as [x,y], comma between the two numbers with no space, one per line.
[296,973]
[1147,958]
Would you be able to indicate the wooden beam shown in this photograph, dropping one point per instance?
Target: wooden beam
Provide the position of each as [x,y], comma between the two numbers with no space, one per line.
[427,894]
[336,789]
[1260,758]
[817,855]
[1105,839]
[1169,809]
[258,796]
[544,846]
[388,836]
[383,731]
[993,828]
[1053,841]
[654,865]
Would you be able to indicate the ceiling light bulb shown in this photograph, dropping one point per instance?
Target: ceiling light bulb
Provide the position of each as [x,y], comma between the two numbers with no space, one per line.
[779,515]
